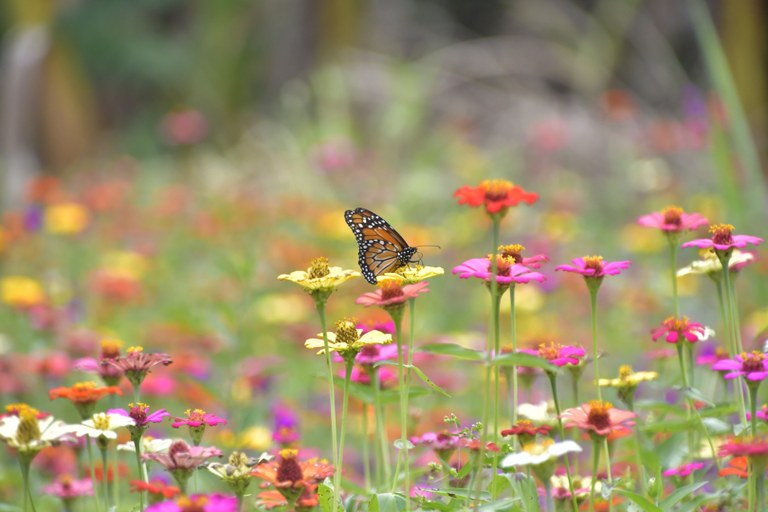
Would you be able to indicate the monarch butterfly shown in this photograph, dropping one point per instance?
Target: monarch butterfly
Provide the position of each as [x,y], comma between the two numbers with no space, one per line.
[380,248]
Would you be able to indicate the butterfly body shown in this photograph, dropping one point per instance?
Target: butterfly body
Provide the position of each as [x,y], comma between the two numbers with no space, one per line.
[380,247]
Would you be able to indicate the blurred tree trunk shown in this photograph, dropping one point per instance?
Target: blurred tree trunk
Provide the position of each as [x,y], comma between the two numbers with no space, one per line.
[743,25]
[339,25]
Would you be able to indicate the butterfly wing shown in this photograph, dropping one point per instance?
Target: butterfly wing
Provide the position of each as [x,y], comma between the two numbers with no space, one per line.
[380,246]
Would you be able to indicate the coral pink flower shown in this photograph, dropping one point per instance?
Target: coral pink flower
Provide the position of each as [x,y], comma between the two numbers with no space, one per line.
[675,329]
[723,239]
[507,273]
[137,364]
[752,366]
[558,355]
[391,293]
[496,195]
[598,418]
[673,220]
[594,266]
[684,470]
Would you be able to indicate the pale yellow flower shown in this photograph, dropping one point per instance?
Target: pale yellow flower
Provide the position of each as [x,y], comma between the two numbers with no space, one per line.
[347,339]
[30,434]
[21,291]
[319,277]
[709,264]
[66,218]
[628,378]
[408,274]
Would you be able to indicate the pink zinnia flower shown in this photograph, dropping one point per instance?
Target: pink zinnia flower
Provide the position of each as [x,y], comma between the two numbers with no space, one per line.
[391,293]
[752,366]
[675,329]
[496,195]
[723,239]
[599,418]
[443,443]
[68,488]
[762,413]
[197,503]
[197,420]
[507,273]
[515,252]
[745,447]
[181,459]
[673,220]
[594,266]
[710,355]
[557,354]
[372,354]
[684,470]
[141,415]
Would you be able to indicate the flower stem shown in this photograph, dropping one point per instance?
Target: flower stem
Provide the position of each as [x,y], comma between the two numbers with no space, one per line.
[673,239]
[381,433]
[596,445]
[595,353]
[513,335]
[91,462]
[320,305]
[366,449]
[344,408]
[553,383]
[25,461]
[104,475]
[142,469]
[397,317]
[752,387]
[732,324]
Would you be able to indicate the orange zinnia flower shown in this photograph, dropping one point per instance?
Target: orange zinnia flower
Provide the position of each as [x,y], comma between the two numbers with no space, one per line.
[496,195]
[84,395]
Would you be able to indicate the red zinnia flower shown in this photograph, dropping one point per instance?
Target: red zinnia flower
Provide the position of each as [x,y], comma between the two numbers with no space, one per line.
[156,488]
[673,220]
[496,195]
[737,466]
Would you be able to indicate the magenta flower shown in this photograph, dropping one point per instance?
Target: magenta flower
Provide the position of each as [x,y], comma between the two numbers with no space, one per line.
[710,355]
[675,329]
[198,503]
[372,354]
[139,413]
[443,443]
[723,239]
[673,220]
[68,488]
[507,273]
[558,355]
[752,366]
[684,470]
[745,447]
[594,266]
[515,252]
[197,420]
[762,413]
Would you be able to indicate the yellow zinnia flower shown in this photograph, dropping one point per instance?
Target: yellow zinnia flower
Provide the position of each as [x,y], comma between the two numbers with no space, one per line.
[347,339]
[66,218]
[412,274]
[319,280]
[628,378]
[18,291]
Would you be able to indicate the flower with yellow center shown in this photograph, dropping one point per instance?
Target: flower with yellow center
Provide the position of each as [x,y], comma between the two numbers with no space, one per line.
[21,292]
[29,434]
[102,426]
[536,453]
[710,265]
[348,340]
[320,279]
[66,218]
[410,274]
[628,378]
[238,471]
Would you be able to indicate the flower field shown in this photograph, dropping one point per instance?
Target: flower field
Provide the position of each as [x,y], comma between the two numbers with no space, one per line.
[377,300]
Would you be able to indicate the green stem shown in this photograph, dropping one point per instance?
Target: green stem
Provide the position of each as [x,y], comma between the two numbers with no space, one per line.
[344,407]
[732,326]
[760,489]
[366,450]
[673,239]
[595,353]
[553,384]
[320,305]
[142,472]
[513,335]
[91,462]
[688,401]
[403,459]
[752,387]
[104,475]
[381,433]
[596,445]
[25,461]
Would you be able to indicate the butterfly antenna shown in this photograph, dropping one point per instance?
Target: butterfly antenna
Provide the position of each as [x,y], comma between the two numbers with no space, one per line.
[420,246]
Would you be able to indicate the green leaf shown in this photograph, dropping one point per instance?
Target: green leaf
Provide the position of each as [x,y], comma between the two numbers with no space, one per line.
[679,494]
[386,502]
[639,500]
[670,426]
[462,493]
[519,359]
[325,495]
[453,350]
[498,485]
[428,381]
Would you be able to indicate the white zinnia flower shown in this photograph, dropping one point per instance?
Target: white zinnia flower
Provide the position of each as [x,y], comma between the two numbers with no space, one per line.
[148,445]
[539,453]
[27,433]
[102,425]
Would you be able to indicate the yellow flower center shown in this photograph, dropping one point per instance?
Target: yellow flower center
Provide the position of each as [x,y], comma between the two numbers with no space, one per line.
[539,447]
[110,348]
[676,324]
[752,362]
[503,264]
[318,268]
[16,409]
[192,504]
[137,349]
[594,262]
[101,421]
[29,429]
[721,233]
[550,351]
[672,215]
[625,371]
[346,332]
[512,252]
[195,414]
[238,460]
[496,189]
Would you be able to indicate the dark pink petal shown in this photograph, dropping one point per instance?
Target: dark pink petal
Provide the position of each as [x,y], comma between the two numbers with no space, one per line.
[727,364]
[701,243]
[757,375]
[672,337]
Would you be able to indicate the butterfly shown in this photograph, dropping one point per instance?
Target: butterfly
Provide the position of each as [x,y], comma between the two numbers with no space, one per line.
[380,248]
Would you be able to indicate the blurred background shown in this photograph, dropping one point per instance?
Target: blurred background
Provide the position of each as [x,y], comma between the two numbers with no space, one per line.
[164,160]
